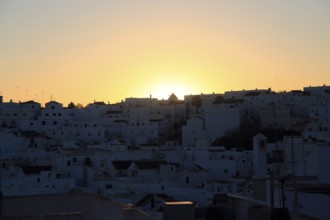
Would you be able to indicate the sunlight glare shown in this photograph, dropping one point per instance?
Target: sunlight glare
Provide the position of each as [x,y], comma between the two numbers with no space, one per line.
[164,90]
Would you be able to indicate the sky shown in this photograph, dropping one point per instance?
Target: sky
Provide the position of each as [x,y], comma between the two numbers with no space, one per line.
[108,50]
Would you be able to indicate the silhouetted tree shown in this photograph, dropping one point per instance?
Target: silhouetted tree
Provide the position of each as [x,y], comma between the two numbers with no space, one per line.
[71,105]
[240,137]
[197,102]
[219,99]
[80,106]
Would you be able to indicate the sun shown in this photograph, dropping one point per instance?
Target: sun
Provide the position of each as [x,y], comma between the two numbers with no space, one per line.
[164,90]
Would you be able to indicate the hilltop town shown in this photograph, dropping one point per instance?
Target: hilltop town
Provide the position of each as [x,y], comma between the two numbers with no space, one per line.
[244,151]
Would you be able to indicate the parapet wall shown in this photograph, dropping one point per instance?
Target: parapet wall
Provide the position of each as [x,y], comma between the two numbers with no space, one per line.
[68,206]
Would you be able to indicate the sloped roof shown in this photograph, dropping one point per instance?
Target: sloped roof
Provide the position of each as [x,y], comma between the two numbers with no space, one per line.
[173,97]
[121,164]
[145,200]
[35,169]
[30,102]
[148,164]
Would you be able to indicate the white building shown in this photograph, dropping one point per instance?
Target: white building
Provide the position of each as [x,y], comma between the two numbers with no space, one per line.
[211,124]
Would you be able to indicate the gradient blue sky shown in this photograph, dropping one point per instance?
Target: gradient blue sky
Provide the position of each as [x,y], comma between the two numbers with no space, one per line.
[80,51]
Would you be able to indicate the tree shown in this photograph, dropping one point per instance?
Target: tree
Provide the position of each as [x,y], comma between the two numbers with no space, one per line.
[80,106]
[197,102]
[240,137]
[71,105]
[219,99]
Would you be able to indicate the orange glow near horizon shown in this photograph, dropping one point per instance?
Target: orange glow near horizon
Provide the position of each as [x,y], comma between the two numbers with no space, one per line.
[164,90]
[82,51]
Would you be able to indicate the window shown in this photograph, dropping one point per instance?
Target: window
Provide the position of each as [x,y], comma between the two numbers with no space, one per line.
[187,179]
[134,173]
[108,186]
[43,122]
[87,161]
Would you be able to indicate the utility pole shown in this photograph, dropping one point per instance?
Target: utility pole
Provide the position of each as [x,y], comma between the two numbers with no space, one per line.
[1,196]
[295,193]
[277,173]
[272,189]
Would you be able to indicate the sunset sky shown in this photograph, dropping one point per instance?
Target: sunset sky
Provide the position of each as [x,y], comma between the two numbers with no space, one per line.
[81,51]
